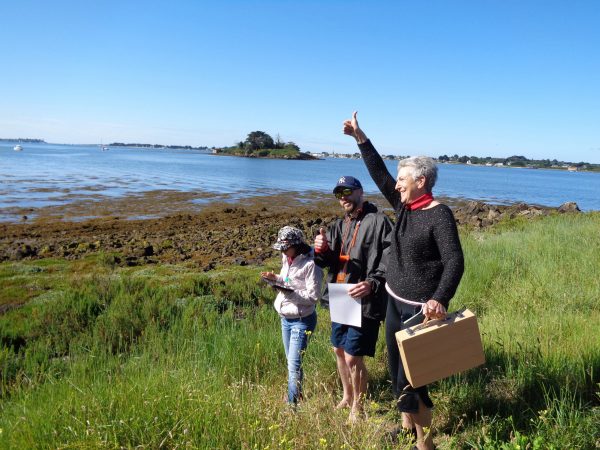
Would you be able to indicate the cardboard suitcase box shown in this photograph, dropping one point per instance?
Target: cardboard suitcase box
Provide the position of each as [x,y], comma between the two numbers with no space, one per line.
[440,348]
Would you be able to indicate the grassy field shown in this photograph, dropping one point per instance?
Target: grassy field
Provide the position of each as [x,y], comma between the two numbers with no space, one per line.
[162,356]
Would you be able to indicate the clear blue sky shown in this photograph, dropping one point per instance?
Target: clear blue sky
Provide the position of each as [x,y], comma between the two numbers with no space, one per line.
[484,78]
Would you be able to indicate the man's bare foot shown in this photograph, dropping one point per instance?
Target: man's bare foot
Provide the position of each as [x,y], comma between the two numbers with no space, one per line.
[356,414]
[345,403]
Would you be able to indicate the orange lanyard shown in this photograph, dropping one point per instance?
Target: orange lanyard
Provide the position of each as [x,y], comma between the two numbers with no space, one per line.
[345,258]
[352,241]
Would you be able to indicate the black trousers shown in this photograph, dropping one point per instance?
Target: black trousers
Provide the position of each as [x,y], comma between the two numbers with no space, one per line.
[397,314]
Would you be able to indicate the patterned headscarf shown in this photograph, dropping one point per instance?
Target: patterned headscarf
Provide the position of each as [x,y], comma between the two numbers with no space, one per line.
[287,237]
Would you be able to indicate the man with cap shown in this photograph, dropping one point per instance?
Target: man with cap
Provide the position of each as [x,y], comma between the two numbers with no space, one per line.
[353,250]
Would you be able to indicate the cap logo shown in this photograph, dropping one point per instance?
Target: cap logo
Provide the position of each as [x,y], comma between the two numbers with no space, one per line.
[342,180]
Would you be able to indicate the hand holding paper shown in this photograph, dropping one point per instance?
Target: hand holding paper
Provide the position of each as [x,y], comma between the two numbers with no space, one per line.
[360,290]
[342,307]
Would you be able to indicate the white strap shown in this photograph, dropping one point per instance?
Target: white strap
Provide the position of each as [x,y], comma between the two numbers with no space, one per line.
[403,300]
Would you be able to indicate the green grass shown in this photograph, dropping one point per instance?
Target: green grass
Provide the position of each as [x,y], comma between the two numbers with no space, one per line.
[164,357]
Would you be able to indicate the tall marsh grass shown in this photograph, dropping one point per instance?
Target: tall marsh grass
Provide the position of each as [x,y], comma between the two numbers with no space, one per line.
[164,357]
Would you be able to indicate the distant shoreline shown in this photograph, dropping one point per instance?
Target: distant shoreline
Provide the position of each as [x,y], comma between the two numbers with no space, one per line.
[595,170]
[564,165]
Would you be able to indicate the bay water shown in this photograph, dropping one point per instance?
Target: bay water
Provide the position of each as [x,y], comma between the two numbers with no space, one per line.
[50,174]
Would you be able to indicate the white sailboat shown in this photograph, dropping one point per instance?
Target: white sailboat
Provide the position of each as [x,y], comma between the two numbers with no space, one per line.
[18,148]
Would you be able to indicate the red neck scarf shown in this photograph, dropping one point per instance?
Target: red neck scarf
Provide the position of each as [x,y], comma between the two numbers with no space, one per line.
[420,202]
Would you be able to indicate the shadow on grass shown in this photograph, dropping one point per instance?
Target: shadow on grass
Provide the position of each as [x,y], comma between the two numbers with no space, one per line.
[516,390]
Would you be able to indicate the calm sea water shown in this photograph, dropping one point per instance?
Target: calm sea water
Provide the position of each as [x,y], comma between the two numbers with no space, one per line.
[46,174]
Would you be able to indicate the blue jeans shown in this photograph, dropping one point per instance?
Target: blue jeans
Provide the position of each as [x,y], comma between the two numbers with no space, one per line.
[295,334]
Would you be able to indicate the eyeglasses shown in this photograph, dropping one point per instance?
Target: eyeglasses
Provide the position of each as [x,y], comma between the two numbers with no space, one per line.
[343,193]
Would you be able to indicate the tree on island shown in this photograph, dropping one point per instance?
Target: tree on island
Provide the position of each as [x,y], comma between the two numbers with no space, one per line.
[262,145]
[258,140]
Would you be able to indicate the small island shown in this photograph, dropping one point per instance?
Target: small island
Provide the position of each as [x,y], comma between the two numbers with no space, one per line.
[259,144]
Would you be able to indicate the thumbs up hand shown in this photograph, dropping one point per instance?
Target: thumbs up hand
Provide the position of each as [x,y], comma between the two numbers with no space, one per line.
[351,128]
[351,125]
[321,244]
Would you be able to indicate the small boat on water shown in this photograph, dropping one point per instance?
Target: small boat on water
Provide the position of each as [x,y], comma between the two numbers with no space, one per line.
[105,149]
[17,148]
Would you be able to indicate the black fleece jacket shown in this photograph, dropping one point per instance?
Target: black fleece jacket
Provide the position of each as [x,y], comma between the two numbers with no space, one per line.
[426,258]
[367,259]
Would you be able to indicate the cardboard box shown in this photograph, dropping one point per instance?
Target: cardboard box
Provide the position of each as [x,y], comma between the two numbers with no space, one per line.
[440,348]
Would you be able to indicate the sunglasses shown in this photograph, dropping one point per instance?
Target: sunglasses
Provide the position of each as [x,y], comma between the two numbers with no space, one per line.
[343,193]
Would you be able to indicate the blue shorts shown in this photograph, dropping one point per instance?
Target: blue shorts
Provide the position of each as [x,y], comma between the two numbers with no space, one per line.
[356,341]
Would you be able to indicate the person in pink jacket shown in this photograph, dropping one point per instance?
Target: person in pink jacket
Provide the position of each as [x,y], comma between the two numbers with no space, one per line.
[299,289]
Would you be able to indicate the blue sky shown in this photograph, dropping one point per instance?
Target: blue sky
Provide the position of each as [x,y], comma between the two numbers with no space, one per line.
[484,78]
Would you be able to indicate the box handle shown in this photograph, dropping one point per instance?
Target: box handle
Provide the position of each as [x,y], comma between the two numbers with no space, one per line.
[412,330]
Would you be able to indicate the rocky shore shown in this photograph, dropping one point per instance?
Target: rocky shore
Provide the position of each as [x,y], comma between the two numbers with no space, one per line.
[214,233]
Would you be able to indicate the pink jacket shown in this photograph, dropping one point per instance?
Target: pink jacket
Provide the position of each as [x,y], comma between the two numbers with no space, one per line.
[305,277]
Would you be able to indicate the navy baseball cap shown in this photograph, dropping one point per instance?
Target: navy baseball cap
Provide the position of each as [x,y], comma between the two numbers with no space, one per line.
[347,182]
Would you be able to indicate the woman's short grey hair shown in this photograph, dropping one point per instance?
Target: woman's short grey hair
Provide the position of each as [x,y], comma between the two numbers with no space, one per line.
[421,166]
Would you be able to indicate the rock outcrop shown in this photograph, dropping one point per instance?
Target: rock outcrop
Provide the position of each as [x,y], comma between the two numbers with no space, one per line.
[221,233]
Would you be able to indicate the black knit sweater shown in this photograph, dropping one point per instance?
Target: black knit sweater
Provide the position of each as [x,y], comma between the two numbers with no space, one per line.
[426,259]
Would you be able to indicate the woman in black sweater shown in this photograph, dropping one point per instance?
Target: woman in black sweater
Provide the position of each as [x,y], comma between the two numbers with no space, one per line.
[425,265]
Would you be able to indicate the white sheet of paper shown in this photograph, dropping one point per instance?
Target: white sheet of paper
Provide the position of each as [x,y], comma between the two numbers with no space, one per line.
[343,308]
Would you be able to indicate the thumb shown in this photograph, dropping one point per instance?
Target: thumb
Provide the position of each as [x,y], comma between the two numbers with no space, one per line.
[322,232]
[354,115]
